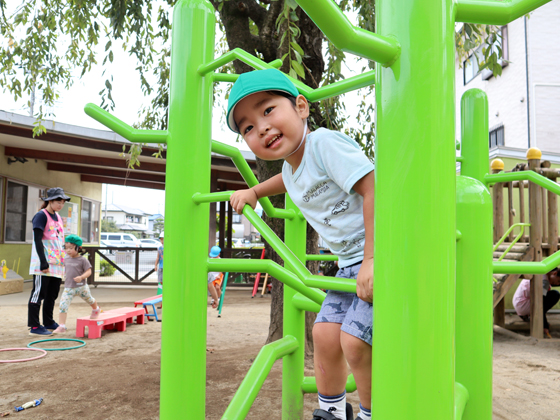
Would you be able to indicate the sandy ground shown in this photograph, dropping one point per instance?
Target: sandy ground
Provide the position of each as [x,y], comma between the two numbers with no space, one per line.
[117,376]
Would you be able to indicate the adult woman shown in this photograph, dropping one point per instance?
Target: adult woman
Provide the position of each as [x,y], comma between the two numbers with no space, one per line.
[47,262]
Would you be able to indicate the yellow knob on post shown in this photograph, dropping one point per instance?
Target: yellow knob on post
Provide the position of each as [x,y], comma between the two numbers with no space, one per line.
[497,165]
[534,153]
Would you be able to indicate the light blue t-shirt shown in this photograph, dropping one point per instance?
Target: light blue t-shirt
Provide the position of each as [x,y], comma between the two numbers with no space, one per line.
[322,189]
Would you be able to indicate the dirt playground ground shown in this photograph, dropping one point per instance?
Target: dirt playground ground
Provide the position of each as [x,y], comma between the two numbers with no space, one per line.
[117,376]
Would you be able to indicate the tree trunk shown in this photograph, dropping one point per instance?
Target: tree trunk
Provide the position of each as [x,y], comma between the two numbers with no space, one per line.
[236,18]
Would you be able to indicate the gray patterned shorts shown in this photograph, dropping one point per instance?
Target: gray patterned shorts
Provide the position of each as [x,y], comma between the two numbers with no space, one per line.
[355,315]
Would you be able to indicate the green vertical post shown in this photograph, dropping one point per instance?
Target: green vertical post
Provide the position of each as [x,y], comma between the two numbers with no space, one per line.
[413,355]
[294,323]
[183,348]
[474,280]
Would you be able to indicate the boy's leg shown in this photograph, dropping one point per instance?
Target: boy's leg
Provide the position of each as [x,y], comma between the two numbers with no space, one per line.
[330,365]
[331,370]
[358,354]
[214,295]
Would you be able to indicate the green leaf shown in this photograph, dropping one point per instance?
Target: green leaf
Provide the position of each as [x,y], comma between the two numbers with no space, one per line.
[296,47]
[298,69]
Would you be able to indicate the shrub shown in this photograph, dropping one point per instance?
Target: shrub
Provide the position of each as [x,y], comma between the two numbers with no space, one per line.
[106,269]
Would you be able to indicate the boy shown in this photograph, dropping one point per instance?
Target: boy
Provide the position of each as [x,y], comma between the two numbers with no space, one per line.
[332,183]
[522,298]
[159,263]
[215,279]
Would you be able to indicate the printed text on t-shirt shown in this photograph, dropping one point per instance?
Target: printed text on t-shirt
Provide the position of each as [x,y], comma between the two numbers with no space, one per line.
[316,191]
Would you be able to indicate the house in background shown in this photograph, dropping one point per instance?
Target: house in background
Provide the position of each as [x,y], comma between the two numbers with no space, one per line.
[524,102]
[128,219]
[153,220]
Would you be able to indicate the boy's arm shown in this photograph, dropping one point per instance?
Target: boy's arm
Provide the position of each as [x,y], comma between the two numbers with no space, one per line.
[364,283]
[271,186]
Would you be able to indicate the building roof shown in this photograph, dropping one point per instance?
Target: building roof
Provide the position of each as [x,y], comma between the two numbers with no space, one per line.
[96,155]
[125,209]
[155,217]
[133,226]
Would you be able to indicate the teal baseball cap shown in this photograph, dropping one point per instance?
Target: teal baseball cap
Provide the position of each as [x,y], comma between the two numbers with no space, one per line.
[254,82]
[74,239]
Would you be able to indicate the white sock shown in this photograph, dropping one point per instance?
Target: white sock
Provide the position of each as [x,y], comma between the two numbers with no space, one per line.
[364,413]
[62,325]
[336,405]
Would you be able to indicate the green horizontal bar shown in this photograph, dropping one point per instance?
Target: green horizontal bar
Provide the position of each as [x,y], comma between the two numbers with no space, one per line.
[337,88]
[491,12]
[328,16]
[542,267]
[331,283]
[214,197]
[248,390]
[131,134]
[225,77]
[321,257]
[309,385]
[301,302]
[242,265]
[523,176]
[241,55]
[250,178]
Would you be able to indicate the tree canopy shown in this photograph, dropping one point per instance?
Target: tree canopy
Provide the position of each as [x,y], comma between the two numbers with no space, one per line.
[47,44]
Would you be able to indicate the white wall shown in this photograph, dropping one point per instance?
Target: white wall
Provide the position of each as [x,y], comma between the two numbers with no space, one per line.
[507,95]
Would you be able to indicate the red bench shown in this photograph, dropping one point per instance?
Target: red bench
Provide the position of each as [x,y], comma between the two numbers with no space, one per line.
[96,325]
[141,302]
[109,320]
[130,314]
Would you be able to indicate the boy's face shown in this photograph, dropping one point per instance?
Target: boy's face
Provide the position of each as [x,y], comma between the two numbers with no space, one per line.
[270,124]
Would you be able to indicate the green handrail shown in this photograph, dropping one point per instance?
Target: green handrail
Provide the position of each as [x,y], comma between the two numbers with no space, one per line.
[548,263]
[334,89]
[131,134]
[502,239]
[241,403]
[494,12]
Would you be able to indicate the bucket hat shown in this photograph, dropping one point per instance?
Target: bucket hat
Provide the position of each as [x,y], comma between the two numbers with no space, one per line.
[74,239]
[161,235]
[215,251]
[254,82]
[55,194]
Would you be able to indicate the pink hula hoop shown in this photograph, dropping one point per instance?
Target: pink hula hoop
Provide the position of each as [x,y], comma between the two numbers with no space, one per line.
[23,360]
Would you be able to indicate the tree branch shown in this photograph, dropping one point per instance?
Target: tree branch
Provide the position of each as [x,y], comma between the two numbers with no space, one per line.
[267,33]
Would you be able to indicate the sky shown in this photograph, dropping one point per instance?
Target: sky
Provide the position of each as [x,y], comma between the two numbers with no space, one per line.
[129,99]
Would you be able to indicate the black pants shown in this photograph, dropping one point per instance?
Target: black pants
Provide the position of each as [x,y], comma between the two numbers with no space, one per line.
[44,288]
[549,300]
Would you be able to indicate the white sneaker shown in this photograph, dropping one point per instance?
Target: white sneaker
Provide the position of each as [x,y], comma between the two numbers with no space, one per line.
[95,313]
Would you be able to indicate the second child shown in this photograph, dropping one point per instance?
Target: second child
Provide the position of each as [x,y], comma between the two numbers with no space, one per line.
[78,269]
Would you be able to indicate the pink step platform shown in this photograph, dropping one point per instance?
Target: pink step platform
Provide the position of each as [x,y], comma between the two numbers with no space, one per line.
[114,318]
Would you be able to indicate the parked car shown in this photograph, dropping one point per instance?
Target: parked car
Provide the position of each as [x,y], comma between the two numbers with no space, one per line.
[149,243]
[121,240]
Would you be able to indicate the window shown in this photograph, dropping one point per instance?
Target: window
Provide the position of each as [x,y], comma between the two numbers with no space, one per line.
[16,212]
[496,137]
[114,237]
[470,66]
[129,219]
[90,221]
[109,218]
[236,218]
[136,219]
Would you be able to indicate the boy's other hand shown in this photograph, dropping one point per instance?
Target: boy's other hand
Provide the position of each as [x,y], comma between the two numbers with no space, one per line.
[242,197]
[364,282]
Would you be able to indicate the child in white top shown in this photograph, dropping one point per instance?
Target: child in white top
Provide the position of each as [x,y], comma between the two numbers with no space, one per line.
[332,182]
[78,269]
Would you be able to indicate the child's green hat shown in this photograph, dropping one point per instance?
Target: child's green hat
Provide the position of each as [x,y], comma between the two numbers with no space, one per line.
[253,82]
[74,239]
